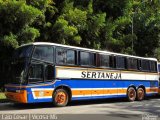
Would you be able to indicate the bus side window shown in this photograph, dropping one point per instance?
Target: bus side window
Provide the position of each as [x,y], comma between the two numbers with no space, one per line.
[71,57]
[65,56]
[120,62]
[84,58]
[145,65]
[153,66]
[60,55]
[87,59]
[132,63]
[104,60]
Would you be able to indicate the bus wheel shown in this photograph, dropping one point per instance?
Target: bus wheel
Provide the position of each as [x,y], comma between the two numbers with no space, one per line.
[131,94]
[140,94]
[60,98]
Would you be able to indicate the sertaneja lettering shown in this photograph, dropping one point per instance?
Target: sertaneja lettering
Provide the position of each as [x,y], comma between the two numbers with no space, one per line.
[100,75]
[83,74]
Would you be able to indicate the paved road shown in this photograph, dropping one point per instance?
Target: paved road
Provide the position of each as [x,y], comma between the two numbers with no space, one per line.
[111,108]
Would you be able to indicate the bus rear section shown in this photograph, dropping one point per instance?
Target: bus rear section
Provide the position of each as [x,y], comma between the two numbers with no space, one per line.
[48,72]
[159,77]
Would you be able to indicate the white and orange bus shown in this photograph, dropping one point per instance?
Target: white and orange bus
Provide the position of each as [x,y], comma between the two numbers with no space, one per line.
[159,77]
[49,72]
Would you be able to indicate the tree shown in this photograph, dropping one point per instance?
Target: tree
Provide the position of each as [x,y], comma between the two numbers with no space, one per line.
[69,23]
[96,24]
[147,28]
[45,22]
[16,19]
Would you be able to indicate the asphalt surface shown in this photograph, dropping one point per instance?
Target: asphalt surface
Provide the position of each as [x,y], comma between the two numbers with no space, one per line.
[91,110]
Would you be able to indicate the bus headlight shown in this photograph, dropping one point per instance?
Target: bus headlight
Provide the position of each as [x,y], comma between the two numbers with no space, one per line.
[5,89]
[18,91]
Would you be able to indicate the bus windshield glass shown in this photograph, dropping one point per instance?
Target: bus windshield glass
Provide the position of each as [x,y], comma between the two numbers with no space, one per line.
[19,64]
[22,52]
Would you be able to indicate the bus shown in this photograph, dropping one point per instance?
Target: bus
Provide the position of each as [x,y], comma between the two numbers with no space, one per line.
[159,77]
[49,72]
[159,68]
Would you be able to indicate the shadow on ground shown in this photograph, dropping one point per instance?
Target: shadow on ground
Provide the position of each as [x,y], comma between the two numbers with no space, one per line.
[147,105]
[18,106]
[150,106]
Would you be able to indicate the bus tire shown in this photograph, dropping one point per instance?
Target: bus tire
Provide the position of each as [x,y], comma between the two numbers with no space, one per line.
[140,94]
[131,94]
[60,98]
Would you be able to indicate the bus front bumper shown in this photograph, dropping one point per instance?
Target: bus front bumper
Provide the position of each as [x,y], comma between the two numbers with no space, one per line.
[20,96]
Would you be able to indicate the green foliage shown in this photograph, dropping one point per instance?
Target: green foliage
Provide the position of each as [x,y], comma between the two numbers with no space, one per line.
[95,24]
[128,26]
[157,53]
[76,17]
[10,40]
[2,96]
[69,24]
[16,19]
[29,34]
[146,28]
[65,32]
[16,16]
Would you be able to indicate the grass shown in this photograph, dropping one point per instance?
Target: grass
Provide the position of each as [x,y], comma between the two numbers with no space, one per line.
[2,96]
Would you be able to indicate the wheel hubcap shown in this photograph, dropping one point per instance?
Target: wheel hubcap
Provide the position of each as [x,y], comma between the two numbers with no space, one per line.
[60,98]
[140,94]
[132,94]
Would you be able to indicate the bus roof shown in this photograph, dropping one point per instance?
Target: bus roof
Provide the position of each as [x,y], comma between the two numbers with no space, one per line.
[86,49]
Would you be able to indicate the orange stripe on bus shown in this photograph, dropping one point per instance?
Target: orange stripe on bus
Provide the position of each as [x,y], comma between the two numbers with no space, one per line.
[109,91]
[89,92]
[151,90]
[159,91]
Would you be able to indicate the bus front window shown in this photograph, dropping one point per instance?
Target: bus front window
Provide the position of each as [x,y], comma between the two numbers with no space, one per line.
[19,64]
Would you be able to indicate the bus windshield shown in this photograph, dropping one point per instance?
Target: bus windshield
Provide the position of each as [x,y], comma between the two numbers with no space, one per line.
[19,64]
[22,52]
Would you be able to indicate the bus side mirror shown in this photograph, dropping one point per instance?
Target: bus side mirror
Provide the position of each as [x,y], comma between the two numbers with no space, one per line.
[49,72]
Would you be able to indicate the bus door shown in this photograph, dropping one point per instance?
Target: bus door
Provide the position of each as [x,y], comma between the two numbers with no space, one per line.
[39,73]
